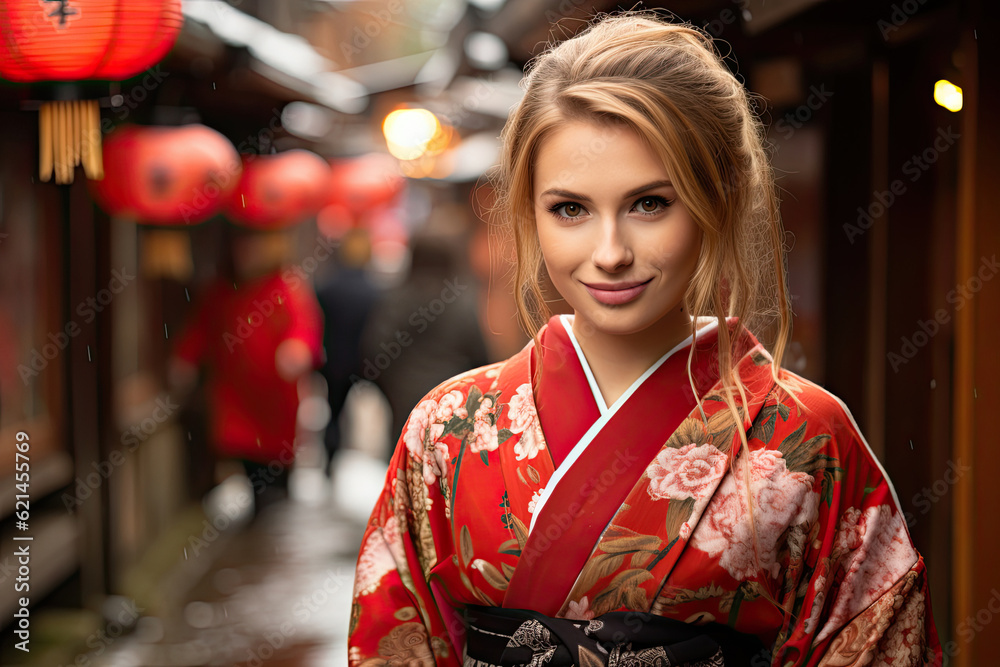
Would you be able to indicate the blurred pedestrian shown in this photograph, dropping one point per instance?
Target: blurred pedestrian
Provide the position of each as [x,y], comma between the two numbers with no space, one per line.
[256,336]
[424,331]
[347,300]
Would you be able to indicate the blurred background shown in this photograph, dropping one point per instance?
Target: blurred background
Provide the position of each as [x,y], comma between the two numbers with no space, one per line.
[198,198]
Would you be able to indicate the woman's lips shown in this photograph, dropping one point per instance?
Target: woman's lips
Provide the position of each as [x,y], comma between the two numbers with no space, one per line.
[615,294]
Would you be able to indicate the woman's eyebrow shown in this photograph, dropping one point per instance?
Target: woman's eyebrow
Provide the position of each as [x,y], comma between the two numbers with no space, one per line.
[631,193]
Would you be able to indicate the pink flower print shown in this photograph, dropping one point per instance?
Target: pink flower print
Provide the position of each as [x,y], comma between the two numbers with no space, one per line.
[451,404]
[524,420]
[851,532]
[579,611]
[378,557]
[817,606]
[530,443]
[435,462]
[882,556]
[904,638]
[691,471]
[781,499]
[535,497]
[521,410]
[685,531]
[484,433]
[421,419]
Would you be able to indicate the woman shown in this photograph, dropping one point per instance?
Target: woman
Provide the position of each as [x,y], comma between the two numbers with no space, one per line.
[639,486]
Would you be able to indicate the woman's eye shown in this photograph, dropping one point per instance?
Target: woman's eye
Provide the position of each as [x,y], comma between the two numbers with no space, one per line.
[568,210]
[651,204]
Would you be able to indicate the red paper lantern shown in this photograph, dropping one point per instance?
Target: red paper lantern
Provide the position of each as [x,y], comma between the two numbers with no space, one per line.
[277,191]
[366,183]
[334,221]
[166,175]
[70,40]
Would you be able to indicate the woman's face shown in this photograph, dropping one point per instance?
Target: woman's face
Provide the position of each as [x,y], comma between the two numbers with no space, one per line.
[617,242]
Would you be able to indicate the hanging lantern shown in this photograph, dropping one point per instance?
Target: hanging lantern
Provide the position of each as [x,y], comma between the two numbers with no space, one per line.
[366,183]
[74,40]
[278,191]
[168,177]
[335,220]
[174,176]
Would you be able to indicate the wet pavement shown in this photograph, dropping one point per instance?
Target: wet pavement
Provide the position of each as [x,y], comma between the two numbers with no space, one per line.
[273,592]
[223,588]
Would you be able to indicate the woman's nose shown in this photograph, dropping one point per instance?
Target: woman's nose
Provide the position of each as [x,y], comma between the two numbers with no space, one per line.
[612,251]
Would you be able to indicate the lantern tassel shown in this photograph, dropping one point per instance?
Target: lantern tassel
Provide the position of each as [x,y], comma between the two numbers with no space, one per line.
[69,134]
[45,151]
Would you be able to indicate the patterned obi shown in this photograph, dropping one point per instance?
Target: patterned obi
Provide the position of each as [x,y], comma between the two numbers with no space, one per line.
[500,637]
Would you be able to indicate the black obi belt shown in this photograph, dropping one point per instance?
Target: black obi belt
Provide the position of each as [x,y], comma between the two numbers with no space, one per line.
[500,637]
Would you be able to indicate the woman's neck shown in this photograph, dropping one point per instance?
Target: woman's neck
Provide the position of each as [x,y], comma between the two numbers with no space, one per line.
[618,360]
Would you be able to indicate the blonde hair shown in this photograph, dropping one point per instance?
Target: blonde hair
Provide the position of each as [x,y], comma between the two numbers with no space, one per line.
[668,83]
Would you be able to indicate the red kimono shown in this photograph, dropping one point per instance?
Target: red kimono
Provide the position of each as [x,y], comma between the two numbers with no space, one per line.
[522,494]
[236,332]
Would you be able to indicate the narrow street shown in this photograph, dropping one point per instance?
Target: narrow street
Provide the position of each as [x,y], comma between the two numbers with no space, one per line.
[274,591]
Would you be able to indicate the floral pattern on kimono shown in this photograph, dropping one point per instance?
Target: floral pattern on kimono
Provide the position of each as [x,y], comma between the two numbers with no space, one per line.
[824,574]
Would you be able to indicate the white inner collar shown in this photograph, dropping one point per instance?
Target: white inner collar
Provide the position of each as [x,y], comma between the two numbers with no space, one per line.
[567,322]
[606,412]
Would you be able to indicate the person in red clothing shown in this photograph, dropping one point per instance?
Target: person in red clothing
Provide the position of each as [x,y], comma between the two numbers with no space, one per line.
[257,336]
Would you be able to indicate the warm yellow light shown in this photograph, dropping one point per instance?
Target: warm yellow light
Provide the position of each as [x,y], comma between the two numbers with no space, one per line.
[409,131]
[948,95]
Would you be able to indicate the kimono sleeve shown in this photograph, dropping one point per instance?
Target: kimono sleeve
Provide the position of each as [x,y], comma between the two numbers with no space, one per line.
[394,617]
[860,594]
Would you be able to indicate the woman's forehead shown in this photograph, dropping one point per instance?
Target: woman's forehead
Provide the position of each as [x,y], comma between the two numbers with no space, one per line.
[593,156]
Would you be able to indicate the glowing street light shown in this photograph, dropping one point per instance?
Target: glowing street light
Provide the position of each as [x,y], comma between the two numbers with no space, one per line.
[409,132]
[948,95]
